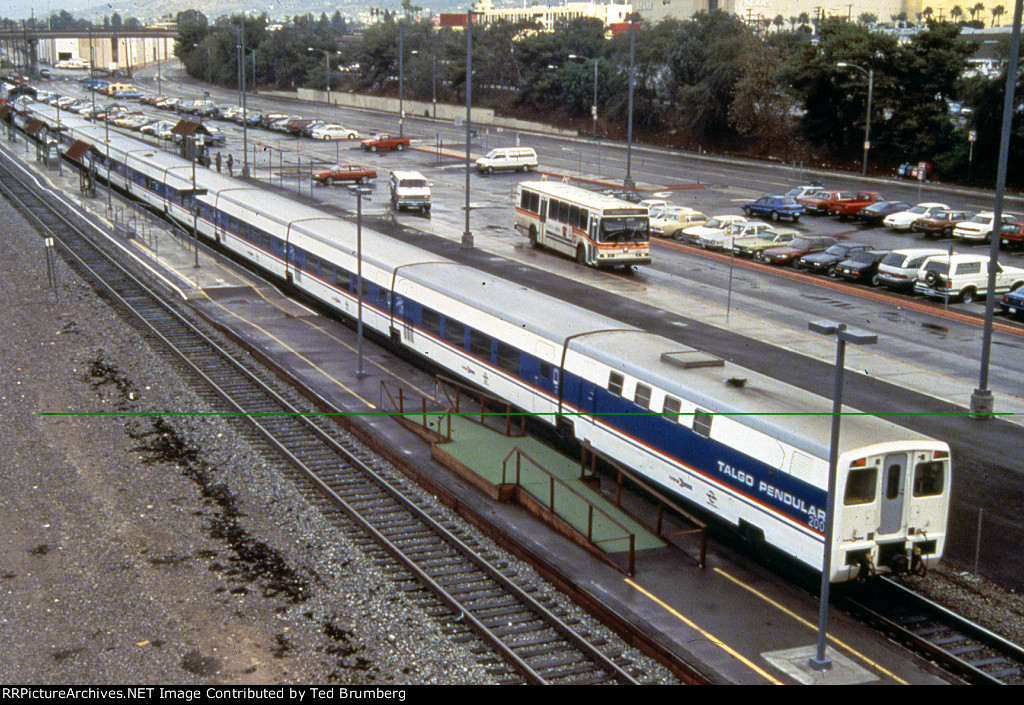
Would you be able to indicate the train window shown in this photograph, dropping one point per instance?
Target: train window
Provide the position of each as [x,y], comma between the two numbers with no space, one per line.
[670,410]
[615,381]
[860,486]
[480,345]
[431,321]
[454,332]
[313,264]
[894,474]
[702,422]
[545,370]
[508,358]
[928,479]
[642,397]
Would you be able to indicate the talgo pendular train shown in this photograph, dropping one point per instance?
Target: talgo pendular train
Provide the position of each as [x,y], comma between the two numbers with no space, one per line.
[747,448]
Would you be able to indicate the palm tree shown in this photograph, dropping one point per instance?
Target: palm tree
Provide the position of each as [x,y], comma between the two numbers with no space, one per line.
[976,10]
[997,12]
[779,21]
[956,13]
[927,12]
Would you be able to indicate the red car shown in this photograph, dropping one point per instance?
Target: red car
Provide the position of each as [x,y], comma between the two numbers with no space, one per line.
[1011,235]
[941,223]
[344,172]
[385,142]
[846,207]
[816,202]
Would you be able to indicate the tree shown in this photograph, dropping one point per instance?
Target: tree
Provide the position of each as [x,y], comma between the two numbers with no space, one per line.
[997,12]
[956,13]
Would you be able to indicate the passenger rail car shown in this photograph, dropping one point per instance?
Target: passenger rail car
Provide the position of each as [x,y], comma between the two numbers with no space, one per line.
[747,448]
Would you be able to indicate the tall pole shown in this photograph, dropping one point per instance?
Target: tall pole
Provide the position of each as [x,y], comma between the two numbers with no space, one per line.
[245,111]
[401,80]
[593,109]
[844,335]
[870,73]
[467,236]
[628,181]
[359,279]
[981,400]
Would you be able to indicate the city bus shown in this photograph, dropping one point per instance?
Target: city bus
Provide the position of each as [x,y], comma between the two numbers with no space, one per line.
[598,230]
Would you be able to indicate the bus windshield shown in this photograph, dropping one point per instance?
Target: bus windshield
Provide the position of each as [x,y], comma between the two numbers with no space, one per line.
[623,229]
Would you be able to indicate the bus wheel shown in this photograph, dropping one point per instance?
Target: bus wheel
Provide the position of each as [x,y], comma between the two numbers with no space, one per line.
[533,237]
[581,255]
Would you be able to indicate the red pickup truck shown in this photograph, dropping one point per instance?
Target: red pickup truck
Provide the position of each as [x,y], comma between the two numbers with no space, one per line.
[846,207]
[385,142]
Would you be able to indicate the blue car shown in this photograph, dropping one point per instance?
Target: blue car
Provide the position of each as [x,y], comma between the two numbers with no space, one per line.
[774,207]
[1012,303]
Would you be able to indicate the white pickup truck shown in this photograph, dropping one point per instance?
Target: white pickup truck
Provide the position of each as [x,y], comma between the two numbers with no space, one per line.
[964,277]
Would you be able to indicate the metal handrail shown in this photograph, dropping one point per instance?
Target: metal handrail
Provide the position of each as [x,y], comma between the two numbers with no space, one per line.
[554,481]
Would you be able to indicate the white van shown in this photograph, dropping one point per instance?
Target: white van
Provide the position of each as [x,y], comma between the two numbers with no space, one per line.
[509,158]
[410,189]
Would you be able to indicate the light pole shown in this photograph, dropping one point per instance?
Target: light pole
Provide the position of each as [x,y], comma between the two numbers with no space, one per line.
[844,335]
[628,181]
[467,235]
[327,61]
[870,73]
[401,79]
[593,106]
[433,76]
[245,111]
[359,191]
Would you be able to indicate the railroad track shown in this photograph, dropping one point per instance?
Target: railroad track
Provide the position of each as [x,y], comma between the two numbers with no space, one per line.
[469,580]
[966,649]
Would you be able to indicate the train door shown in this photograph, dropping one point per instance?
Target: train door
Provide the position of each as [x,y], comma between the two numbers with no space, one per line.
[893,484]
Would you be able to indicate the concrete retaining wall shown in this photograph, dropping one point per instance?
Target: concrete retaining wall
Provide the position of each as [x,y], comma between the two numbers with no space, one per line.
[445,111]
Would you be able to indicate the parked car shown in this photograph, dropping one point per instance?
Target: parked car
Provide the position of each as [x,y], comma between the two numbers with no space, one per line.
[795,248]
[899,268]
[905,220]
[383,143]
[941,223]
[268,119]
[980,227]
[280,125]
[825,261]
[876,213]
[801,191]
[155,128]
[1011,235]
[673,220]
[862,266]
[694,233]
[774,207]
[753,246]
[334,132]
[723,239]
[508,159]
[964,277]
[623,194]
[1012,303]
[846,207]
[816,202]
[344,172]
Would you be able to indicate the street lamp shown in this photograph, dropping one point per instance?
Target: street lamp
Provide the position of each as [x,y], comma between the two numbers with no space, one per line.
[593,107]
[359,191]
[982,403]
[844,335]
[401,80]
[327,60]
[628,181]
[467,235]
[870,73]
[433,76]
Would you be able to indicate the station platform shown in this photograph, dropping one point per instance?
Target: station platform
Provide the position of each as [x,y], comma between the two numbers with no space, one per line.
[730,621]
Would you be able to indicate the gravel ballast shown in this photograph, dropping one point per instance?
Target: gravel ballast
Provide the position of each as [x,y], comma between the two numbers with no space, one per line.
[149,549]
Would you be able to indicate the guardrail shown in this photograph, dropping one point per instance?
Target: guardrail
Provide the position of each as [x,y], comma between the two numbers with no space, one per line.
[554,484]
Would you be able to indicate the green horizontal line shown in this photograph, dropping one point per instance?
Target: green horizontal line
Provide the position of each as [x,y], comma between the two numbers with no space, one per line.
[473,414]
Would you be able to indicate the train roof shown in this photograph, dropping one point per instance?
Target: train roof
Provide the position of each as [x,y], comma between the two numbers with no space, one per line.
[514,303]
[797,417]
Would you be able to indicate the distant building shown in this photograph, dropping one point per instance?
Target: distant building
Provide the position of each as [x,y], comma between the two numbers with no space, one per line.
[790,10]
[548,14]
